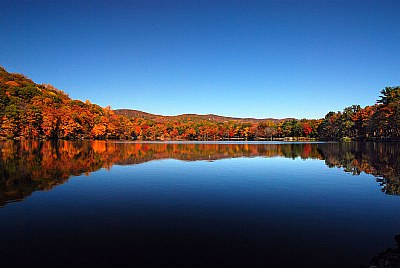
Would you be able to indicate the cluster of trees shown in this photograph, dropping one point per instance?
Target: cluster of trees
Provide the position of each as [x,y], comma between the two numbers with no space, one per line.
[29,110]
[380,121]
[38,111]
[230,130]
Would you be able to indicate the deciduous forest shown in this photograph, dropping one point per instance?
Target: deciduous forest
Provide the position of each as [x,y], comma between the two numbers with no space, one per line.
[40,111]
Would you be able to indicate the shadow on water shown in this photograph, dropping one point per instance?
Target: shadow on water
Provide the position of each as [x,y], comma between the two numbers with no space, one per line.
[390,258]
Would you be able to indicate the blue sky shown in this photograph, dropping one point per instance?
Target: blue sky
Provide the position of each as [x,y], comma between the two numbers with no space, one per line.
[246,59]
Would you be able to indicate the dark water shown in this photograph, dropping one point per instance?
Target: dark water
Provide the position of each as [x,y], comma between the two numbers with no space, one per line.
[110,204]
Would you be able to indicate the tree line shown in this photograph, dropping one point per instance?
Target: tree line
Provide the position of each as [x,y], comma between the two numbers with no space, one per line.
[377,122]
[40,111]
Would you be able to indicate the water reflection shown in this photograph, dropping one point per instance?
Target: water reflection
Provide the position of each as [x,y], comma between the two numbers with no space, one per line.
[379,159]
[28,166]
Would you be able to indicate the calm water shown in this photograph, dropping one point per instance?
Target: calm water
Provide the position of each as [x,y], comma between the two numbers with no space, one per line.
[220,204]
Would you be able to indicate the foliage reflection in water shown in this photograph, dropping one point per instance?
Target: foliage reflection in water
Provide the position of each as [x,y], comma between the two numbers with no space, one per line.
[28,166]
[259,204]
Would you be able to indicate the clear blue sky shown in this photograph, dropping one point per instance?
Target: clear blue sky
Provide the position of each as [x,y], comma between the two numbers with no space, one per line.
[247,59]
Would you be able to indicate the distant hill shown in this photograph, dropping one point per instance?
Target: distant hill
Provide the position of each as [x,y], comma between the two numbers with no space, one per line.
[191,117]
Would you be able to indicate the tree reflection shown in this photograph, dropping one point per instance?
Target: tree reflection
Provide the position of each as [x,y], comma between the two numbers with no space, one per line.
[28,166]
[379,159]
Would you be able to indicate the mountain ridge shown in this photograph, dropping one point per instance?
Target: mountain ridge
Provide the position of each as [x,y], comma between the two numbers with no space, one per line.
[133,113]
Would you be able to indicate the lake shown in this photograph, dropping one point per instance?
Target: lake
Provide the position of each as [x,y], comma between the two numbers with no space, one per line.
[257,204]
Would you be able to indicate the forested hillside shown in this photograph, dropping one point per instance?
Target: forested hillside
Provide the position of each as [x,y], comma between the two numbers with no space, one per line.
[40,111]
[29,110]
